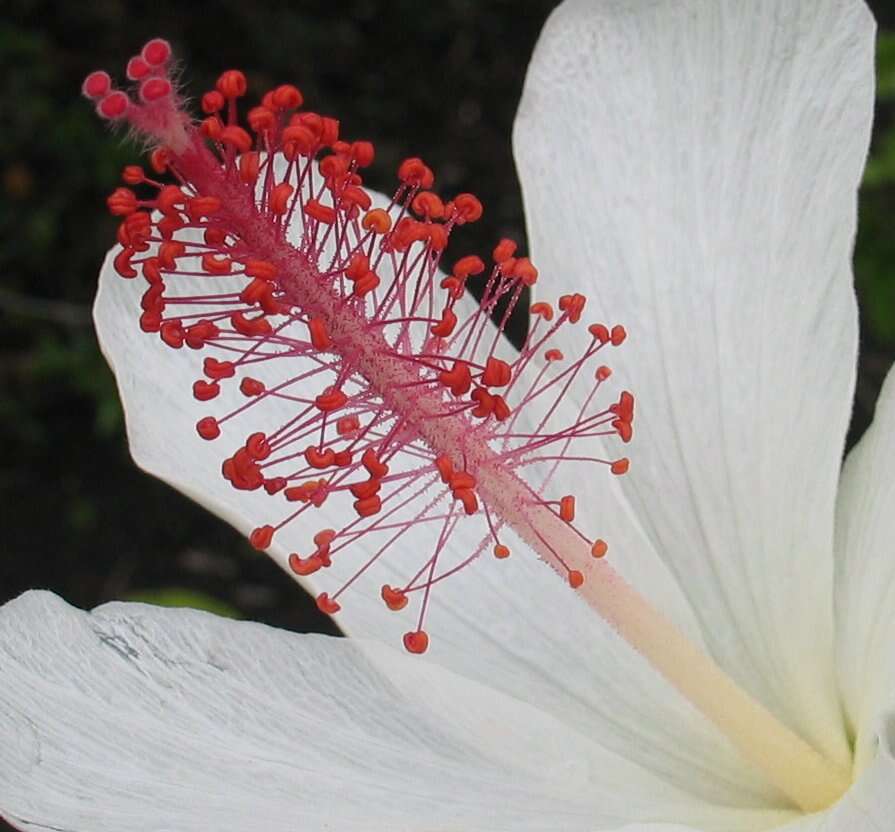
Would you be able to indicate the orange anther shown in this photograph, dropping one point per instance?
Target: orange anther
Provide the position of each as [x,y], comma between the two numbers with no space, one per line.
[368,506]
[545,310]
[525,271]
[355,195]
[279,197]
[575,579]
[366,284]
[202,206]
[237,138]
[208,428]
[553,354]
[501,551]
[298,140]
[251,387]
[343,459]
[250,326]
[363,153]
[329,130]
[428,205]
[504,250]
[501,408]
[458,378]
[461,479]
[304,566]
[212,128]
[249,165]
[212,102]
[287,97]
[121,202]
[497,373]
[617,335]
[358,266]
[159,159]
[395,599]
[231,84]
[445,468]
[263,269]
[467,497]
[602,373]
[468,208]
[573,305]
[469,265]
[378,221]
[416,642]
[261,537]
[620,466]
[327,605]
[438,237]
[170,199]
[367,488]
[600,332]
[413,171]
[485,403]
[261,119]
[317,211]
[319,459]
[567,508]
[347,424]
[370,460]
[625,431]
[599,548]
[319,335]
[446,326]
[132,175]
[332,400]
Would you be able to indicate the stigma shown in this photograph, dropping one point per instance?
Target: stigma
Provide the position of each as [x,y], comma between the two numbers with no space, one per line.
[254,247]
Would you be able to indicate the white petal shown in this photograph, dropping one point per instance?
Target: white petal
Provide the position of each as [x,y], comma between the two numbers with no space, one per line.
[692,167]
[511,624]
[140,718]
[865,575]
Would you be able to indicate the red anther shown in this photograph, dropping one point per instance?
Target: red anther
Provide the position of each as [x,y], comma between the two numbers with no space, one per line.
[416,642]
[261,537]
[208,428]
[261,119]
[263,269]
[137,68]
[286,97]
[168,225]
[321,213]
[485,403]
[438,237]
[153,89]
[368,506]
[504,250]
[218,369]
[205,390]
[319,335]
[332,400]
[250,326]
[506,266]
[232,84]
[347,424]
[329,130]
[567,508]
[573,305]
[151,321]
[202,206]
[599,548]
[122,263]
[324,537]
[445,468]
[151,271]
[600,332]
[497,373]
[255,291]
[545,310]
[172,333]
[274,485]
[468,208]
[575,578]
[96,85]
[413,171]
[501,409]
[168,252]
[279,197]
[158,159]
[454,286]
[467,497]
[327,605]
[114,105]
[299,493]
[363,153]
[298,141]
[428,205]
[334,166]
[525,271]
[553,354]
[367,488]
[170,199]
[620,466]
[466,266]
[199,333]
[624,429]
[132,175]
[304,566]
[366,284]
[236,137]
[602,373]
[213,264]
[258,446]
[458,378]
[370,460]
[251,387]
[354,195]
[319,459]
[212,102]
[617,335]
[378,221]
[152,298]
[461,479]
[358,266]
[156,51]
[446,326]
[395,599]
[212,128]
[249,165]
[501,551]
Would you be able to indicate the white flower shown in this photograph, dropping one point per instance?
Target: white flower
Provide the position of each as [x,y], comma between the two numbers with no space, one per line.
[692,167]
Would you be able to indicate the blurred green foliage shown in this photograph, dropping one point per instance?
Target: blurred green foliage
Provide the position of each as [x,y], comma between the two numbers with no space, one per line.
[79,518]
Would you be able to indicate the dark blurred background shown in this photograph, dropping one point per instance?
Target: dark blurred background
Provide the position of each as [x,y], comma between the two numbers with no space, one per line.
[439,80]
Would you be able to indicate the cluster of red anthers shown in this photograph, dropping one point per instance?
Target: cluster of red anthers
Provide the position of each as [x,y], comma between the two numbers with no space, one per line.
[368,373]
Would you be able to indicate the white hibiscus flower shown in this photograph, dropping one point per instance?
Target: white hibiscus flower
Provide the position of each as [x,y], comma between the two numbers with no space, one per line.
[692,167]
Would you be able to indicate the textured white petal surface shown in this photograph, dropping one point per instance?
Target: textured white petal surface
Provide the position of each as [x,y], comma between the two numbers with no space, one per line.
[513,624]
[692,167]
[141,718]
[865,576]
